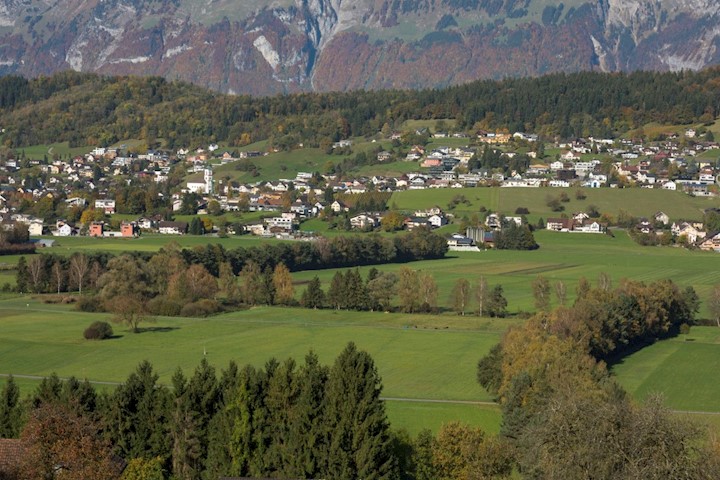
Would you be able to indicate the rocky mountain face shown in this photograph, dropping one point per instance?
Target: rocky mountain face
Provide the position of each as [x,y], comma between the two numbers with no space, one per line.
[272,46]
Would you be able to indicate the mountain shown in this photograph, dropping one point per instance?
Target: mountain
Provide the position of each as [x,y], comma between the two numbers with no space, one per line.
[276,46]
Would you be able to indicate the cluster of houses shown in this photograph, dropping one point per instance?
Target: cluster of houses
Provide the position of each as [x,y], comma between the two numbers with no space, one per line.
[577,223]
[666,165]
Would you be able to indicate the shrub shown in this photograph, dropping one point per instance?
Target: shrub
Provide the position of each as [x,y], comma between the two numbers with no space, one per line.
[201,308]
[98,331]
[522,211]
[89,304]
[684,328]
[164,307]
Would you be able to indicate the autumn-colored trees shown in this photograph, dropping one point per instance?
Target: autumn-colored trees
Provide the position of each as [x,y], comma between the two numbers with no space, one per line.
[558,399]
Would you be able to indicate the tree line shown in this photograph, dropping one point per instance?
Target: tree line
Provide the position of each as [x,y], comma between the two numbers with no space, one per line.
[564,415]
[87,109]
[48,273]
[285,420]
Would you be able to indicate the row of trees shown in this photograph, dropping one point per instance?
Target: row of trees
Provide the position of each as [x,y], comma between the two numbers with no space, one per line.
[55,273]
[282,421]
[563,414]
[613,321]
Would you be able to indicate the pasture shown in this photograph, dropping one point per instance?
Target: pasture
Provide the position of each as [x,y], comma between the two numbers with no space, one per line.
[419,357]
[562,257]
[416,357]
[683,369]
[638,202]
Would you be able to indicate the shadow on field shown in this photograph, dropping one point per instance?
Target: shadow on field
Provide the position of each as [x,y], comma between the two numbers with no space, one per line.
[156,329]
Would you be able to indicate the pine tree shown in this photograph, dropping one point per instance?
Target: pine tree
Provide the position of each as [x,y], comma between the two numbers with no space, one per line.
[10,409]
[356,293]
[355,421]
[196,227]
[337,293]
[281,400]
[137,416]
[196,402]
[313,296]
[306,442]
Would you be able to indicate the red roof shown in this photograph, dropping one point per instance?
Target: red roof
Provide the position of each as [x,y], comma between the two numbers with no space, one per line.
[10,454]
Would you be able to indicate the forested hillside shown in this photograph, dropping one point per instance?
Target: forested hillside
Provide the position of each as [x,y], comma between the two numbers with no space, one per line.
[87,109]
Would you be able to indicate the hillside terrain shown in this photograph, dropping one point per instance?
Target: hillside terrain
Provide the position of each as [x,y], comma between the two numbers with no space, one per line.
[269,47]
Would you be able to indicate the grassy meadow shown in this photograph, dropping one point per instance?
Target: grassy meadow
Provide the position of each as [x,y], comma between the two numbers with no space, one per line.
[682,369]
[416,358]
[562,257]
[636,201]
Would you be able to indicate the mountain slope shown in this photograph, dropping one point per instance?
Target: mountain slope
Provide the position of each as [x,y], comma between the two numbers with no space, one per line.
[267,46]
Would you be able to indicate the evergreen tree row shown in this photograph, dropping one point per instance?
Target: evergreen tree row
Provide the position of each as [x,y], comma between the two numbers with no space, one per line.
[281,421]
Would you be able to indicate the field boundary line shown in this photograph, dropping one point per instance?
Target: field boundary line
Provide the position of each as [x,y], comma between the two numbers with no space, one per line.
[435,400]
[386,399]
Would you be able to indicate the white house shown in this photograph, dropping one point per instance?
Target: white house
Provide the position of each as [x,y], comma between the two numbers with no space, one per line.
[669,185]
[63,230]
[35,228]
[105,204]
[437,221]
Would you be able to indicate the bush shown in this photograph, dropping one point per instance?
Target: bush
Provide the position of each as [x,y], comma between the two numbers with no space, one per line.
[684,328]
[89,304]
[201,308]
[521,211]
[55,299]
[164,307]
[98,331]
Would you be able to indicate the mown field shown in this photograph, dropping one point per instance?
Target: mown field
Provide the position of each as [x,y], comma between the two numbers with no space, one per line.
[635,201]
[684,369]
[563,257]
[417,357]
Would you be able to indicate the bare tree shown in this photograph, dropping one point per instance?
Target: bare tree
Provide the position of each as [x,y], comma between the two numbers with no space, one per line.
[460,295]
[37,272]
[541,293]
[714,304]
[428,290]
[58,275]
[79,269]
[481,294]
[604,282]
[560,292]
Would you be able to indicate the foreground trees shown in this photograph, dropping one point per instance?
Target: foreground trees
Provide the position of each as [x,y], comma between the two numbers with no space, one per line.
[564,415]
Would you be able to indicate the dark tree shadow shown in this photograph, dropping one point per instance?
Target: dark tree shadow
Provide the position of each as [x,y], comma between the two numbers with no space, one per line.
[156,329]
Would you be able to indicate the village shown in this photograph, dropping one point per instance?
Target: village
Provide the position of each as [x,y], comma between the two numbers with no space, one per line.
[186,183]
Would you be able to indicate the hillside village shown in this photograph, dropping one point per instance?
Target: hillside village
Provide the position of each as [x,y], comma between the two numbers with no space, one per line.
[80,195]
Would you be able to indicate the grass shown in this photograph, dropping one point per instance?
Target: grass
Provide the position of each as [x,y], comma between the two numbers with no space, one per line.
[636,201]
[280,165]
[38,152]
[415,363]
[416,416]
[562,257]
[682,369]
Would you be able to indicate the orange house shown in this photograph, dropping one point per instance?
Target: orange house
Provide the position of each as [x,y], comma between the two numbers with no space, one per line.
[96,229]
[128,229]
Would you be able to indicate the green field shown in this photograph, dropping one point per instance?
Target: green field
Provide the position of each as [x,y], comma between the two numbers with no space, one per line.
[418,356]
[415,357]
[39,152]
[683,369]
[636,201]
[565,257]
